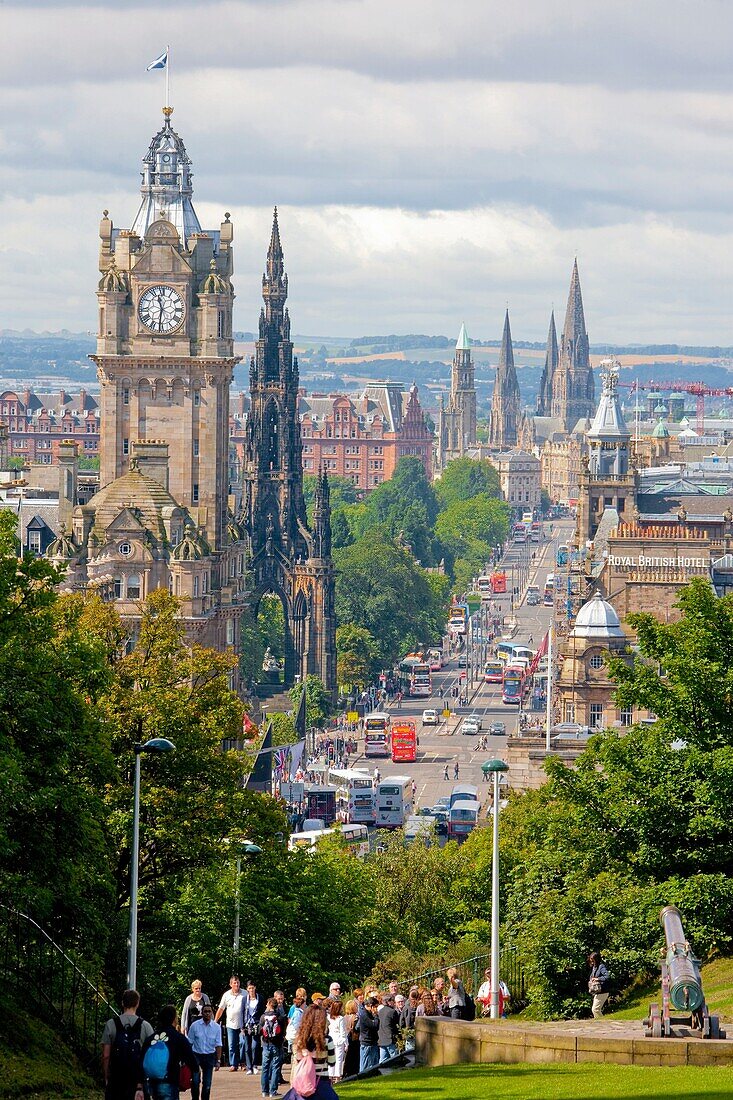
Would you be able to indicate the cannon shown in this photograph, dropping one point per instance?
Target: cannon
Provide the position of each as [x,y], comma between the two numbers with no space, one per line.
[683,999]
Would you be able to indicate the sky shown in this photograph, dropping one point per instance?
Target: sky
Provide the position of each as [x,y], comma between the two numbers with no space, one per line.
[433,161]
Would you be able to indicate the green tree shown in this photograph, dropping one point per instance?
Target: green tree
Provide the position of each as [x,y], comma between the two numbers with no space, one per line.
[318,703]
[386,505]
[55,760]
[466,478]
[694,696]
[469,530]
[356,651]
[380,587]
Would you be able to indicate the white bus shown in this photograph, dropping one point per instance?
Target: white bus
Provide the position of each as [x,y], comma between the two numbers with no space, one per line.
[355,837]
[355,796]
[394,801]
[483,585]
[376,734]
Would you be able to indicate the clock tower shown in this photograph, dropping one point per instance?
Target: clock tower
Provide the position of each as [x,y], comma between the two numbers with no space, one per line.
[165,354]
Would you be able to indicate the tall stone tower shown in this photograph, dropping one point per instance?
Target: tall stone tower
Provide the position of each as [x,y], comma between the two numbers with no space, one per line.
[457,420]
[165,354]
[287,558]
[607,479]
[573,387]
[506,400]
[544,397]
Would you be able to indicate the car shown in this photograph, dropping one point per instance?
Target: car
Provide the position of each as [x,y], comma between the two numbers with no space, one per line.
[462,661]
[470,727]
[497,729]
[443,803]
[430,718]
[532,599]
[478,719]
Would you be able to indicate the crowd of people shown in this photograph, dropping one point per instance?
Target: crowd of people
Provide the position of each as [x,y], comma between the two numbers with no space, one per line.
[335,1035]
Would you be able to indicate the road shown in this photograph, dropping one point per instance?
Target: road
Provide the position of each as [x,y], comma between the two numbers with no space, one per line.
[445,744]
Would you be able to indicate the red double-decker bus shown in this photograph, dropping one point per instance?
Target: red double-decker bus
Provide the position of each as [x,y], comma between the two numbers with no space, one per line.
[404,743]
[498,581]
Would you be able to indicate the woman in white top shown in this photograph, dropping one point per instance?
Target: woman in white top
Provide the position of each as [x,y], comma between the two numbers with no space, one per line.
[338,1031]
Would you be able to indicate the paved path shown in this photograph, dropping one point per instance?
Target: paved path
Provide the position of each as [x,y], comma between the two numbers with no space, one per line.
[240,1086]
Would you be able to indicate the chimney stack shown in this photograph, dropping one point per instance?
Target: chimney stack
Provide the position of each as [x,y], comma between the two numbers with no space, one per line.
[152,458]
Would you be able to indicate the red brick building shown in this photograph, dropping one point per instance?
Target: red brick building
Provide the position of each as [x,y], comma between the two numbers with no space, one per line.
[38,422]
[357,437]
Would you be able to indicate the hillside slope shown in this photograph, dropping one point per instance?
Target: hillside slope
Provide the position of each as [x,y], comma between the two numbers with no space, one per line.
[36,1065]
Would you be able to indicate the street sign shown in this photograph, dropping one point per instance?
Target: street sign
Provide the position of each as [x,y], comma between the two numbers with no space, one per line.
[352,716]
[292,792]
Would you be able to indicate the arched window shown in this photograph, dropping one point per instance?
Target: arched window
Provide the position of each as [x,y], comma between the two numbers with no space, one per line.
[272,437]
[133,586]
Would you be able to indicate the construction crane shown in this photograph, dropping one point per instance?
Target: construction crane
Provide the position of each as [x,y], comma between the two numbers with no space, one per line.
[698,389]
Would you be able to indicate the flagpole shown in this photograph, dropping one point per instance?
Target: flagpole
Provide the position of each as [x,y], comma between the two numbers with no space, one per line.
[167,75]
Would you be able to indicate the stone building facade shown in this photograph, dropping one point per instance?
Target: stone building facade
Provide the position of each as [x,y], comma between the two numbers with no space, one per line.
[163,516]
[519,477]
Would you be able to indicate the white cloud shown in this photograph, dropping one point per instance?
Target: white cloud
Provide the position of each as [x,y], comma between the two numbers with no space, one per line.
[434,159]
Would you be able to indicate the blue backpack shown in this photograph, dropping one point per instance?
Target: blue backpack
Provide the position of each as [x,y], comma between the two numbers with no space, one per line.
[157,1057]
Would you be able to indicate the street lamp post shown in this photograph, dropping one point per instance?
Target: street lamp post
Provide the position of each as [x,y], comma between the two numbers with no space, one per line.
[156,744]
[247,849]
[495,768]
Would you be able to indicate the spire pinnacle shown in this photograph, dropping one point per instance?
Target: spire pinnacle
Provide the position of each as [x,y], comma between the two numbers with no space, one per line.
[275,258]
[463,343]
[506,354]
[574,316]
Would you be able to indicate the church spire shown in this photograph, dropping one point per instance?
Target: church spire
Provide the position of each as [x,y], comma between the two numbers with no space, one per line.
[506,401]
[574,329]
[544,398]
[275,258]
[573,389]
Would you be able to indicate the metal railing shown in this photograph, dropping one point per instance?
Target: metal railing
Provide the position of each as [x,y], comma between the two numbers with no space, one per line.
[44,978]
[471,973]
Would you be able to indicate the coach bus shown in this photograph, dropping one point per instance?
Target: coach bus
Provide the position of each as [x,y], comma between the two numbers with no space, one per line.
[376,734]
[394,801]
[511,691]
[421,683]
[404,742]
[483,584]
[458,618]
[355,794]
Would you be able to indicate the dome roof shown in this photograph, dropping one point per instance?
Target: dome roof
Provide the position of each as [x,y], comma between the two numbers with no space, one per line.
[145,498]
[597,619]
[661,430]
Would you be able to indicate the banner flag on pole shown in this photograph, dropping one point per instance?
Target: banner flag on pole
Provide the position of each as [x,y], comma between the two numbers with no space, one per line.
[300,718]
[160,62]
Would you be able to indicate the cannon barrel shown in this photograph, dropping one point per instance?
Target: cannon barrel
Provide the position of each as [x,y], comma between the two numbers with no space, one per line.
[685,984]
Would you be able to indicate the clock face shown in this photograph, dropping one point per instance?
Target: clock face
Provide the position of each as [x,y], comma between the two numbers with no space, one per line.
[160,309]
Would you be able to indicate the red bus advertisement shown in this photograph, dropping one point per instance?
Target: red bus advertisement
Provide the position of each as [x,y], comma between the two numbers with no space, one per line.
[511,692]
[404,743]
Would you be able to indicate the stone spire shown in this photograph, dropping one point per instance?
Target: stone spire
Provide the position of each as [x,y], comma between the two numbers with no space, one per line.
[544,397]
[274,316]
[322,517]
[506,400]
[573,388]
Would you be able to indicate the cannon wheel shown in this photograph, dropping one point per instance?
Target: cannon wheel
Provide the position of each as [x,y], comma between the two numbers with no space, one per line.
[667,1028]
[654,1021]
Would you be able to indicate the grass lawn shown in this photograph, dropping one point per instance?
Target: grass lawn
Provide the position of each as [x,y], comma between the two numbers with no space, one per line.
[546,1082]
[34,1063]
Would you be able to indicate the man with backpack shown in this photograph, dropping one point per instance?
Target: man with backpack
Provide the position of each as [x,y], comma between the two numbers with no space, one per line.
[122,1042]
[164,1055]
[271,1034]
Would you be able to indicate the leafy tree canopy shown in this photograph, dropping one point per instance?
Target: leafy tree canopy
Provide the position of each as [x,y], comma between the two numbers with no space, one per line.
[465,478]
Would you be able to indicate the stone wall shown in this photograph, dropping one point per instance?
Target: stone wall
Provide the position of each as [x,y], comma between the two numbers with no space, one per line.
[441,1042]
[525,756]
